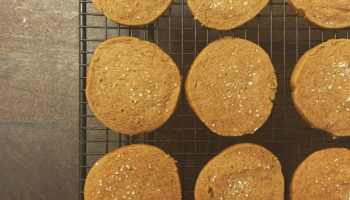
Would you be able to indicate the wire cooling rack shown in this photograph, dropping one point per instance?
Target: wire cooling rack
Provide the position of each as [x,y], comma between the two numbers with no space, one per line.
[277,29]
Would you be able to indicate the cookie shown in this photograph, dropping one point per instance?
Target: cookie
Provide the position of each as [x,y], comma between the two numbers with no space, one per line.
[132,85]
[242,171]
[134,172]
[225,14]
[231,86]
[132,12]
[326,14]
[324,174]
[321,87]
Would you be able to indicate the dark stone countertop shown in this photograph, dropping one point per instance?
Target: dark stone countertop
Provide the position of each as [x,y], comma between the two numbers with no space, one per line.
[39,99]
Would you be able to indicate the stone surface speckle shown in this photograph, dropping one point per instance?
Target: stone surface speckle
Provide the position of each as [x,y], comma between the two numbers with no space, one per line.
[38,101]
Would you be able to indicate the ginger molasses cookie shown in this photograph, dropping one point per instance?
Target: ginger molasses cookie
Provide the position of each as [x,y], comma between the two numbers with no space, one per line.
[132,12]
[324,174]
[326,14]
[231,86]
[225,14]
[132,85]
[134,172]
[321,87]
[242,171]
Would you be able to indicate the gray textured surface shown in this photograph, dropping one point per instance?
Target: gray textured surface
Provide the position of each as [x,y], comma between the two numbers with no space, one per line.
[38,101]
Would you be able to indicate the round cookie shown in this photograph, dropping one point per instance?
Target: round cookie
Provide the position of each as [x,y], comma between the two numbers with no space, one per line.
[132,12]
[132,85]
[330,14]
[242,171]
[321,87]
[225,14]
[231,86]
[134,172]
[324,174]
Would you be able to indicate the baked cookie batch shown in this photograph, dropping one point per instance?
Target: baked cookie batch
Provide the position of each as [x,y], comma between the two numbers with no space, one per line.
[133,87]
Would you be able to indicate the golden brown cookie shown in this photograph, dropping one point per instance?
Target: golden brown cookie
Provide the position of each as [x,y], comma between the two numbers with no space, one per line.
[134,172]
[231,86]
[326,14]
[132,85]
[225,14]
[132,12]
[321,87]
[324,174]
[242,171]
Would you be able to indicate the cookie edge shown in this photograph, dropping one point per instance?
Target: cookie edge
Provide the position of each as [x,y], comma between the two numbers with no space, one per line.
[89,74]
[135,25]
[218,28]
[293,83]
[131,147]
[192,104]
[232,148]
[303,13]
[302,163]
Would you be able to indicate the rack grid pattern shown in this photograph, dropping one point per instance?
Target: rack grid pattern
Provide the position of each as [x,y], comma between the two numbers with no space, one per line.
[276,29]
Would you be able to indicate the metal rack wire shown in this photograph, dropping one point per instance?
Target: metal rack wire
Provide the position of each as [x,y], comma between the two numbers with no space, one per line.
[277,29]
